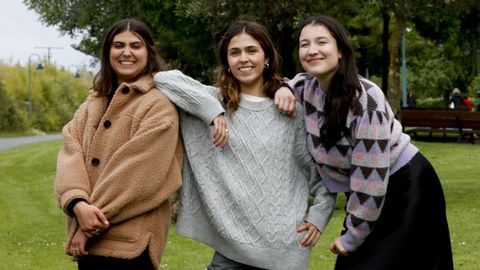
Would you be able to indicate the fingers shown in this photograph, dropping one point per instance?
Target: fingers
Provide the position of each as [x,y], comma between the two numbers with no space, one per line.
[77,252]
[285,101]
[77,245]
[337,247]
[220,135]
[91,220]
[315,239]
[312,235]
[291,109]
[103,220]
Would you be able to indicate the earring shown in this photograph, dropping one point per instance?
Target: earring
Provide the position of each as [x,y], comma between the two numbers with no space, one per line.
[267,65]
[229,70]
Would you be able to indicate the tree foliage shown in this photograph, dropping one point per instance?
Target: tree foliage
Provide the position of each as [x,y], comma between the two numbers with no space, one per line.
[187,31]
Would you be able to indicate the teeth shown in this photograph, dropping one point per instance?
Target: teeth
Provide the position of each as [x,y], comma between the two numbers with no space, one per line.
[126,62]
[245,68]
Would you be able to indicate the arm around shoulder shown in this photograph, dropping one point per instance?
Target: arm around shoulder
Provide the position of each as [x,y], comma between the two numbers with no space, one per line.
[190,95]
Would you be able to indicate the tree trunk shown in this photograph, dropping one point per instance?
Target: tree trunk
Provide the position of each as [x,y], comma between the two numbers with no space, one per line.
[394,75]
[385,54]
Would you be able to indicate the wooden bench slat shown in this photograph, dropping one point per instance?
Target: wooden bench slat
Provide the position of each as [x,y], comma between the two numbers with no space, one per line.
[444,121]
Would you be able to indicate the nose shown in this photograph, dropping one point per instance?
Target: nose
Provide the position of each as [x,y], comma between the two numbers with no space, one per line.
[243,57]
[126,52]
[312,49]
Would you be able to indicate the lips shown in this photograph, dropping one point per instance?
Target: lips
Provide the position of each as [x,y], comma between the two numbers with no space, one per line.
[246,68]
[314,60]
[126,62]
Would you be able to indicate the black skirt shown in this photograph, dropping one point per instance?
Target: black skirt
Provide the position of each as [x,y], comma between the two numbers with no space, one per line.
[412,230]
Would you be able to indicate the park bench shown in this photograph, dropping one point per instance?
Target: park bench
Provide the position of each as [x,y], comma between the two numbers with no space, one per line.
[464,123]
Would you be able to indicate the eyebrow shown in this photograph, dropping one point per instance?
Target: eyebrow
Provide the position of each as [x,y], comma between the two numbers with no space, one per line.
[125,42]
[248,47]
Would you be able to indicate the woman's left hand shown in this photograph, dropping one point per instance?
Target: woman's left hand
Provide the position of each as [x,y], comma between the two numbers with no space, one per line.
[220,135]
[312,235]
[337,247]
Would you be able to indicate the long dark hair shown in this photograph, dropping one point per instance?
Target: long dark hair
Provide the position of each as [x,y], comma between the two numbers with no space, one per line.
[229,86]
[105,81]
[344,87]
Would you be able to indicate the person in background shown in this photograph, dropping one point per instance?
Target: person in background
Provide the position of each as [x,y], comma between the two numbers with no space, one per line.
[456,99]
[121,159]
[395,207]
[411,99]
[248,173]
[466,104]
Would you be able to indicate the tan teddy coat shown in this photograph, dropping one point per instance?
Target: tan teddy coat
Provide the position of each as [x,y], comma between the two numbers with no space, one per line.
[126,160]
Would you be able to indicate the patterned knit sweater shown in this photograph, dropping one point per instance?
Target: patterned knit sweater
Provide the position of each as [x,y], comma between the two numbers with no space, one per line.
[247,199]
[362,163]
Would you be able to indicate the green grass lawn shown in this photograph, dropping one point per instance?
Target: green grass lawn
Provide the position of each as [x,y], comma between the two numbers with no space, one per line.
[32,230]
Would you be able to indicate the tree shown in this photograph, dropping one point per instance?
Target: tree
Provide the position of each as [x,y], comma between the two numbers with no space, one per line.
[187,31]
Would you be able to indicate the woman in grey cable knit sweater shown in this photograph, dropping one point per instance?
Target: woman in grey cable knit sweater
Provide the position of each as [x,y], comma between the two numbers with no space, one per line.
[247,198]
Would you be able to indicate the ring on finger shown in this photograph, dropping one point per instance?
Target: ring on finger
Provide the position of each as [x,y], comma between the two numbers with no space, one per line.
[96,231]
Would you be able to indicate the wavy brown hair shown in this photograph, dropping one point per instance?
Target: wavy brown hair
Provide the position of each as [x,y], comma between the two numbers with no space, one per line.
[344,86]
[106,81]
[228,84]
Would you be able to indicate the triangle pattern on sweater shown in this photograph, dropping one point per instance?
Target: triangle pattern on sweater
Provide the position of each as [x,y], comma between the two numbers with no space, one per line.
[310,109]
[343,149]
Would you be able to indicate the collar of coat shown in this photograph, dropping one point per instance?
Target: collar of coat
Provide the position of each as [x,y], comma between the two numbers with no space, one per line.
[143,84]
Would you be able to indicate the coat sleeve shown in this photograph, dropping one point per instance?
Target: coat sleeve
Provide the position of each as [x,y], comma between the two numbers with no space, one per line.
[144,172]
[320,212]
[190,95]
[71,179]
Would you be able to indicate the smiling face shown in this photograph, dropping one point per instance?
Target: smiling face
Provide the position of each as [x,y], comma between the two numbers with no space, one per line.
[246,60]
[318,52]
[128,56]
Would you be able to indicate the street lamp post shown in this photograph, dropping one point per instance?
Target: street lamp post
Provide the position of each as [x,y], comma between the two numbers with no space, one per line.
[404,71]
[39,67]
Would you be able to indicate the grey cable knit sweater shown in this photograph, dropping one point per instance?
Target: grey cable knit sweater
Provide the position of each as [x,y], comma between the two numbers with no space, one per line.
[247,199]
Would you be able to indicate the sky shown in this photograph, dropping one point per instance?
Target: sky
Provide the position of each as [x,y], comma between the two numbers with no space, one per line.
[22,35]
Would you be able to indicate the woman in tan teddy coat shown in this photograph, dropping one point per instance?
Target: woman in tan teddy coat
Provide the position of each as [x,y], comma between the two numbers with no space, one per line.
[121,159]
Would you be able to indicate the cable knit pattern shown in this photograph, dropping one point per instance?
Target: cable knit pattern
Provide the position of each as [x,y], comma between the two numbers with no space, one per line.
[361,164]
[247,199]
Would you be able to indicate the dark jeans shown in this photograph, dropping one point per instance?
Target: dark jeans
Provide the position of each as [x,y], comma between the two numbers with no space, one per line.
[220,262]
[92,262]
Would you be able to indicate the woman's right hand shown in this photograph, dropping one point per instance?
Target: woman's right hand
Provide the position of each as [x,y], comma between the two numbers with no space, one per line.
[90,219]
[220,135]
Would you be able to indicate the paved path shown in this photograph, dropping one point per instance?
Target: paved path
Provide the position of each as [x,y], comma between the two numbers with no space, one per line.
[7,143]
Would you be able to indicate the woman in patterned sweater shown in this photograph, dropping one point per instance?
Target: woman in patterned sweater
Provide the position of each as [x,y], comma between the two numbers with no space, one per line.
[395,206]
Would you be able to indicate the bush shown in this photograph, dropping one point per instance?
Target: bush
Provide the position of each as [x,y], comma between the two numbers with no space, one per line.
[56,95]
[11,118]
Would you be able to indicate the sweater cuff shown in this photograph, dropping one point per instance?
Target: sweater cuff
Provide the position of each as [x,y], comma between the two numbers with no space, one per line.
[319,217]
[284,83]
[69,196]
[72,204]
[350,242]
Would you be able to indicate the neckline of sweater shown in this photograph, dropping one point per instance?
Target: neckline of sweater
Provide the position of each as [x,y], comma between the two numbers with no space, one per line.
[256,105]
